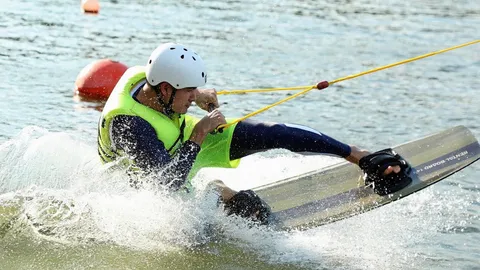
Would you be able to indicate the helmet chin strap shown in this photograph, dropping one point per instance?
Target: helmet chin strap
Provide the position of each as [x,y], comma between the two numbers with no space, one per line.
[167,107]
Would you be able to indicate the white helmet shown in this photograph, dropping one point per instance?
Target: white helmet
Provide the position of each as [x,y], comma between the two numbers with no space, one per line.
[177,65]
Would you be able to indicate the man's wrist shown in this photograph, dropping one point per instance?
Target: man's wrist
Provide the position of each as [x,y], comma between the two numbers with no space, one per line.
[197,137]
[199,95]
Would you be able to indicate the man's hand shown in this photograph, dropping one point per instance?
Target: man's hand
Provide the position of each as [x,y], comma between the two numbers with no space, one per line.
[207,124]
[205,97]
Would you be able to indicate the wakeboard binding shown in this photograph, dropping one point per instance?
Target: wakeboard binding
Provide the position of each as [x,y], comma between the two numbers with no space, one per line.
[374,166]
[247,204]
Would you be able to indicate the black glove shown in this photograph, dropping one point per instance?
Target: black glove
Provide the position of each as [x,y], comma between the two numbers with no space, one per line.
[247,204]
[375,164]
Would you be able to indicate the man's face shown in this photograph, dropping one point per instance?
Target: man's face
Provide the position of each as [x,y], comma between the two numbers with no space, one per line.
[183,99]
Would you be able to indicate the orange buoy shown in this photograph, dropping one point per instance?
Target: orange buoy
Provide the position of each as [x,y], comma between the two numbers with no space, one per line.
[97,80]
[90,6]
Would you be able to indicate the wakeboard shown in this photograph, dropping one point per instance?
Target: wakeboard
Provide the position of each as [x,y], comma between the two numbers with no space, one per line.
[339,191]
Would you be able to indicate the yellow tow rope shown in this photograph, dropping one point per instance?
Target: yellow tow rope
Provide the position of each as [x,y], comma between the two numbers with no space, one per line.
[323,84]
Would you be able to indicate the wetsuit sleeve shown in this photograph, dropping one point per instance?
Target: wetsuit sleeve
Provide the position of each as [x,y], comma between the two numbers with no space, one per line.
[138,139]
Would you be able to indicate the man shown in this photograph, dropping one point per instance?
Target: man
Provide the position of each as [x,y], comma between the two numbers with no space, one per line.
[145,126]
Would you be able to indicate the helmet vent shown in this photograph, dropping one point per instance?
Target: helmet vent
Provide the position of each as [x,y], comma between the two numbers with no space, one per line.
[150,61]
[194,58]
[185,49]
[173,48]
[178,85]
[203,74]
[182,56]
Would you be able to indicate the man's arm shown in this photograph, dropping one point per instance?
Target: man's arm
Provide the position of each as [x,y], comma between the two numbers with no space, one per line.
[137,138]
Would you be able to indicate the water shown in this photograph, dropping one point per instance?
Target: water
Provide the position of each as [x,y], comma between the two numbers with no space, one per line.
[61,210]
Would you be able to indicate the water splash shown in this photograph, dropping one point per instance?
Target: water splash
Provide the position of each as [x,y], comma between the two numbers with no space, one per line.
[54,189]
[53,185]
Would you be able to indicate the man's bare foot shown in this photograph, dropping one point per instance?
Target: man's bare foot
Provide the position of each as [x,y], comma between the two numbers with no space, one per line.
[358,153]
[226,193]
[390,169]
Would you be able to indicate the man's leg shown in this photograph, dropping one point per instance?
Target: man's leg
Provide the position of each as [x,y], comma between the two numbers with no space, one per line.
[252,137]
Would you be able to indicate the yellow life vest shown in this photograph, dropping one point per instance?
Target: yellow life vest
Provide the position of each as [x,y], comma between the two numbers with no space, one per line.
[215,150]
